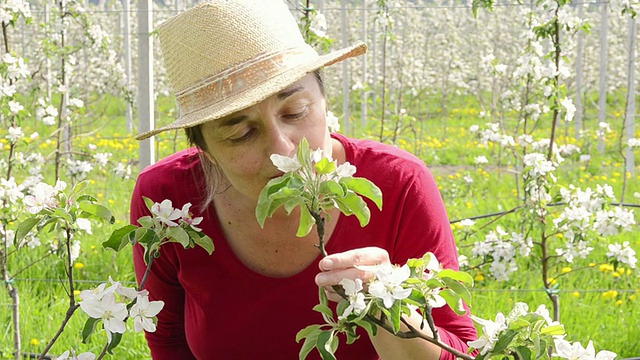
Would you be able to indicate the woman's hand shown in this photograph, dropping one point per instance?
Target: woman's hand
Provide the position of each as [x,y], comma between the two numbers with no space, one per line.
[352,264]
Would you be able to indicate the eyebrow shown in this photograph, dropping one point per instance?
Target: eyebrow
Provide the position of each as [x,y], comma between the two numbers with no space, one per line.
[288,92]
[233,120]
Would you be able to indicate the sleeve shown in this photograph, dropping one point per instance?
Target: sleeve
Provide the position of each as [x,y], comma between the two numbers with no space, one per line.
[424,227]
[169,341]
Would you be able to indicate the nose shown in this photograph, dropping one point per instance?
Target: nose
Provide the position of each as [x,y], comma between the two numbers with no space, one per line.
[281,140]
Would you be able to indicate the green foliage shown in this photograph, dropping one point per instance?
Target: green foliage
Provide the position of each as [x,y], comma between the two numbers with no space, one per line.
[316,185]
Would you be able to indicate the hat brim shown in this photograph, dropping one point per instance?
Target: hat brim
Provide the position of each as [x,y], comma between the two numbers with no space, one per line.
[252,96]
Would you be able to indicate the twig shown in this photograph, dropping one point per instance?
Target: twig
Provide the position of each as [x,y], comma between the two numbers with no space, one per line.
[413,333]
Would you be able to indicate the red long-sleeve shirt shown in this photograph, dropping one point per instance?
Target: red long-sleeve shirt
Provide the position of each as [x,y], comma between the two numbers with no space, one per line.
[217,308]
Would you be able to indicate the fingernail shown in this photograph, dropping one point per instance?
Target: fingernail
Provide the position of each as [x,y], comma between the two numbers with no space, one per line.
[321,279]
[327,264]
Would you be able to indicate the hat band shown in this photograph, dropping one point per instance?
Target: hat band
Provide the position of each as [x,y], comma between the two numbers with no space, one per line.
[238,78]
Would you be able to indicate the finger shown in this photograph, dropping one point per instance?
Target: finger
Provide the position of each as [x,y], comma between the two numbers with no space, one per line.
[351,258]
[331,278]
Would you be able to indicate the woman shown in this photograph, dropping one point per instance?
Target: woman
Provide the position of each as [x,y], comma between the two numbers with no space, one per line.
[248,87]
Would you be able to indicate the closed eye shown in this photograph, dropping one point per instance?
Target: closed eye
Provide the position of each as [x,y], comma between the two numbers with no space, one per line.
[250,134]
[297,113]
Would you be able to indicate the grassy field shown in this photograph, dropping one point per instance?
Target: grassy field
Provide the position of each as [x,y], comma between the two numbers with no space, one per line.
[596,303]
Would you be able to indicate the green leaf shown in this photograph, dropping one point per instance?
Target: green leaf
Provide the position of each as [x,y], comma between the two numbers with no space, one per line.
[264,199]
[454,301]
[119,238]
[553,330]
[306,222]
[63,214]
[371,328]
[177,234]
[203,241]
[310,336]
[88,329]
[365,188]
[306,332]
[324,345]
[24,228]
[330,187]
[323,309]
[523,353]
[79,188]
[148,202]
[115,341]
[456,275]
[86,197]
[304,153]
[395,316]
[146,221]
[325,166]
[98,210]
[459,289]
[504,341]
[353,204]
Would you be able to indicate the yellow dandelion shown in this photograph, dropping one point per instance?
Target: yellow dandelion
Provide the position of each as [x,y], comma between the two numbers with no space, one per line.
[479,277]
[34,342]
[619,302]
[611,294]
[566,270]
[78,265]
[632,297]
[560,235]
[100,195]
[616,274]
[575,294]
[552,281]
[469,204]
[592,264]
[76,292]
[606,267]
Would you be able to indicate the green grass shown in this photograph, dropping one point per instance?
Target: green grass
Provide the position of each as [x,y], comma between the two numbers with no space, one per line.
[611,321]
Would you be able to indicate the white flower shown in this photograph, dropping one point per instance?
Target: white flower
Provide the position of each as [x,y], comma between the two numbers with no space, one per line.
[481,160]
[15,107]
[188,218]
[345,170]
[352,289]
[467,222]
[143,312]
[102,158]
[74,251]
[165,212]
[490,333]
[43,196]
[333,123]
[107,309]
[84,224]
[623,253]
[15,134]
[286,164]
[571,109]
[633,142]
[387,285]
[474,128]
[73,356]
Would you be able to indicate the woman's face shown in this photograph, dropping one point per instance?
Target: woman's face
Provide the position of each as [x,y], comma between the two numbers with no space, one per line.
[241,144]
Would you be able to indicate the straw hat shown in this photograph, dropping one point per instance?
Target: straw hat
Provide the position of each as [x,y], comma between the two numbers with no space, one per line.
[224,56]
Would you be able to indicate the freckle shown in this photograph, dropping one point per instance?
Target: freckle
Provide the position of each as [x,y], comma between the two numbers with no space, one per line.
[276,251]
[229,222]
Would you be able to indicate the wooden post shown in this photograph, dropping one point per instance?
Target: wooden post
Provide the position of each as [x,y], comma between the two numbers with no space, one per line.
[145,82]
[630,117]
[602,92]
[127,60]
[346,111]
